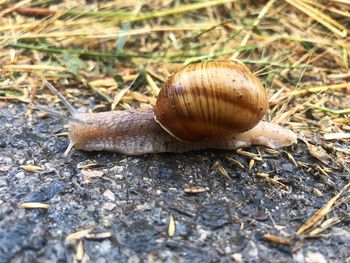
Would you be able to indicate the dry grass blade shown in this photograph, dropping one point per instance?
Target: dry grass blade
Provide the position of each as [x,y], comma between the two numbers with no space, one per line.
[218,167]
[322,212]
[291,158]
[325,225]
[319,89]
[153,86]
[274,181]
[178,10]
[254,156]
[320,17]
[13,7]
[256,22]
[319,153]
[235,162]
[26,68]
[337,112]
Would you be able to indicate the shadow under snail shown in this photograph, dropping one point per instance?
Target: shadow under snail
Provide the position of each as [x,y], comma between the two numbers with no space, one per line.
[216,105]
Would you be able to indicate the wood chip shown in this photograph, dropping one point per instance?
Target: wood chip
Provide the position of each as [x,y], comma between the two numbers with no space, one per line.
[196,189]
[80,251]
[277,239]
[99,236]
[318,192]
[31,168]
[91,173]
[251,163]
[78,235]
[171,227]
[33,205]
[337,136]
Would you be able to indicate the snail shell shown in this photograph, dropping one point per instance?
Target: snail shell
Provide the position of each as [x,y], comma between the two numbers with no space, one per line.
[210,99]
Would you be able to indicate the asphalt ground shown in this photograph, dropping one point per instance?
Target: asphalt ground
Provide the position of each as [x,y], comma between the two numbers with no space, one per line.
[221,211]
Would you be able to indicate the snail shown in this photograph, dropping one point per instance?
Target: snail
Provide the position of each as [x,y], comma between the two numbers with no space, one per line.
[204,105]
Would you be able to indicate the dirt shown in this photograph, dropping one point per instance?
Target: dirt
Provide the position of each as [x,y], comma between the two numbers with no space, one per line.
[135,197]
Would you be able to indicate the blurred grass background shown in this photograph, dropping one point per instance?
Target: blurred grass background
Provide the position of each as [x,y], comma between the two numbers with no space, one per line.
[300,49]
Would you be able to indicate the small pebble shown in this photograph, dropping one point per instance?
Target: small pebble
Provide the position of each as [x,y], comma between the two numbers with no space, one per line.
[237,257]
[134,259]
[109,195]
[20,175]
[109,206]
[119,177]
[315,257]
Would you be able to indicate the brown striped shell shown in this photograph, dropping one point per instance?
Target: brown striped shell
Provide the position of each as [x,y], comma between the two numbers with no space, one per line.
[210,99]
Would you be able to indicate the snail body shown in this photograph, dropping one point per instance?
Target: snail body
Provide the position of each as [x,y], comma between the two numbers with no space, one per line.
[205,105]
[136,132]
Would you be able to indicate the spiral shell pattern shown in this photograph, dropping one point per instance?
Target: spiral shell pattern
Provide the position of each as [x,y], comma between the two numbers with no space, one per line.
[210,99]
